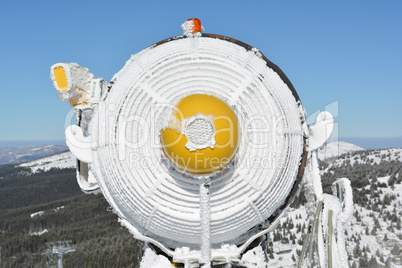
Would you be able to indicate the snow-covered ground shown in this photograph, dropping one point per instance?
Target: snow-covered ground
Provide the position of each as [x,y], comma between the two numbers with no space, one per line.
[61,160]
[40,213]
[10,155]
[40,233]
[40,229]
[377,230]
[374,232]
[296,220]
[372,157]
[336,148]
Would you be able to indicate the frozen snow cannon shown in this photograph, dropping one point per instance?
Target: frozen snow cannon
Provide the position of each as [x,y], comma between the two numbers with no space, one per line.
[199,144]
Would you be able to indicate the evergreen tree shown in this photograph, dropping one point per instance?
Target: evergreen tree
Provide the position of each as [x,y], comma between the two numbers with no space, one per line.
[372,263]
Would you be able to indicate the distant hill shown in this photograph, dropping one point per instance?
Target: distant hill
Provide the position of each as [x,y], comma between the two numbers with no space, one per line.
[336,148]
[60,160]
[11,155]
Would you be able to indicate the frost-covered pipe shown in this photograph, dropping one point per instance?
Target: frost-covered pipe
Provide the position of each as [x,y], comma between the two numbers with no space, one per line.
[205,216]
[330,237]
[313,242]
[331,212]
[321,252]
[315,175]
[334,215]
[314,232]
[303,252]
[343,184]
[347,202]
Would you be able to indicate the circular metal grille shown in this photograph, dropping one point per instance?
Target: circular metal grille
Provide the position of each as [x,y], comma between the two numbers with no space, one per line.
[135,176]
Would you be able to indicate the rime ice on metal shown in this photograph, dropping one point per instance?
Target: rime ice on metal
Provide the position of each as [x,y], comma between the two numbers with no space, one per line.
[204,217]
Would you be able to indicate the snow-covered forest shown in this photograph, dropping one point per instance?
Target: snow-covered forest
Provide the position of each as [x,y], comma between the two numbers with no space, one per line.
[39,207]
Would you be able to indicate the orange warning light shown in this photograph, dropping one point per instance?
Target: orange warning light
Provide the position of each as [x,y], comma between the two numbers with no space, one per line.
[196,25]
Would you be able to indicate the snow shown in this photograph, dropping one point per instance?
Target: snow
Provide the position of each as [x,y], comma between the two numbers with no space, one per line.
[336,148]
[347,203]
[151,260]
[375,242]
[362,226]
[10,155]
[254,258]
[371,157]
[40,233]
[352,228]
[40,213]
[62,160]
[285,259]
[383,179]
[188,27]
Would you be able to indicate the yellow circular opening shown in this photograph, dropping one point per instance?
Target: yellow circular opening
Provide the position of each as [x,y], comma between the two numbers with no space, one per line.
[202,134]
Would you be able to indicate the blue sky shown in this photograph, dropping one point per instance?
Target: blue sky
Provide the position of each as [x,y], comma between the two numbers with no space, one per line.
[346,55]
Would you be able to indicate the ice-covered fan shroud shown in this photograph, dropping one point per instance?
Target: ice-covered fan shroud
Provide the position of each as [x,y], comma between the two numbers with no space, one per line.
[161,204]
[135,178]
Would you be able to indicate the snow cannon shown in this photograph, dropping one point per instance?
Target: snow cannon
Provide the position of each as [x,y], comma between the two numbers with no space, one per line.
[199,143]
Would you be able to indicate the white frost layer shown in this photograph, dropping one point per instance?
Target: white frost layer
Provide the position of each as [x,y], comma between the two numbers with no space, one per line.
[77,78]
[62,160]
[200,132]
[313,181]
[347,203]
[320,132]
[129,164]
[205,218]
[254,258]
[151,260]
